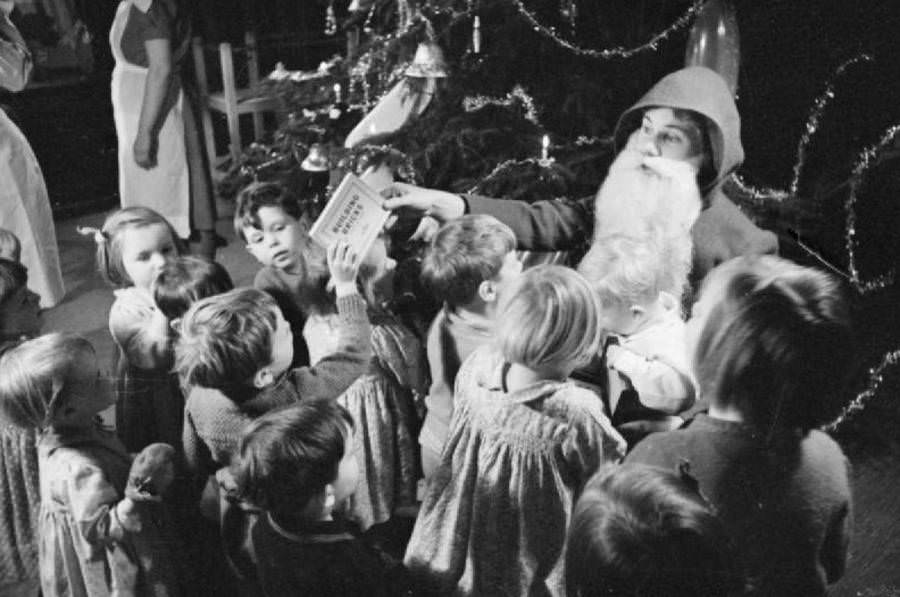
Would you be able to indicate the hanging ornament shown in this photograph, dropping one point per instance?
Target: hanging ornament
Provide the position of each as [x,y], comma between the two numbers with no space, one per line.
[403,102]
[476,35]
[568,10]
[316,160]
[428,61]
[714,41]
[367,26]
[330,19]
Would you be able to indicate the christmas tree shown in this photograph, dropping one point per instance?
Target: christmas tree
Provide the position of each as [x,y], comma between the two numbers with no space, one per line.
[519,98]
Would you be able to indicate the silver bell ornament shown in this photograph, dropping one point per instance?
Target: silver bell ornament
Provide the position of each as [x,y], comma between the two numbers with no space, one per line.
[316,160]
[428,62]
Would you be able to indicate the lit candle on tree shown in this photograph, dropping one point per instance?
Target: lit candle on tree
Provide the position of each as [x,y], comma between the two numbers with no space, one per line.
[545,148]
[337,93]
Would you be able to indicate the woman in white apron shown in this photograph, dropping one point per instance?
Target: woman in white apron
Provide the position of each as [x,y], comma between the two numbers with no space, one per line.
[24,205]
[161,159]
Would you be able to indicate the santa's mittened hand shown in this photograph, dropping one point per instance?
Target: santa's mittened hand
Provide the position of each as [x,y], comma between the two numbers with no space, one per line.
[152,471]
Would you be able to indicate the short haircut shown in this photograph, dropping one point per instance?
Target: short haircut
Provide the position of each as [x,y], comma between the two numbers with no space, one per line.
[639,530]
[13,277]
[225,339]
[464,253]
[183,282]
[549,317]
[10,247]
[708,172]
[288,456]
[635,270]
[109,241]
[776,345]
[33,378]
[257,195]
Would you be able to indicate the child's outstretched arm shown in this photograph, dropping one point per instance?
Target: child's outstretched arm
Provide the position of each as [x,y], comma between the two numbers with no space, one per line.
[140,329]
[100,516]
[335,372]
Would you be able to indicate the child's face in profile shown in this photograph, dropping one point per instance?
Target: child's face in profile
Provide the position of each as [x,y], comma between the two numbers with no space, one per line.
[378,268]
[279,241]
[145,250]
[509,273]
[664,134]
[348,470]
[20,314]
[87,393]
[618,317]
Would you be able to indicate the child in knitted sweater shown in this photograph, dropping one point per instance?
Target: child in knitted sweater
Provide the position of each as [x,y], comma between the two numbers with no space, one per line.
[234,355]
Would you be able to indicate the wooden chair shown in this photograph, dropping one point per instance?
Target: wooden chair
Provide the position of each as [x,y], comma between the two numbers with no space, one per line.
[231,101]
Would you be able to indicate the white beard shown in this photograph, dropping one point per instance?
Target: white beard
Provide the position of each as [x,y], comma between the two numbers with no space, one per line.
[636,198]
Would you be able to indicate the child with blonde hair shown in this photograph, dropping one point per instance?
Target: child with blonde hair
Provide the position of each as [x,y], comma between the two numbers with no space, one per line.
[469,265]
[638,283]
[132,247]
[768,343]
[523,441]
[92,534]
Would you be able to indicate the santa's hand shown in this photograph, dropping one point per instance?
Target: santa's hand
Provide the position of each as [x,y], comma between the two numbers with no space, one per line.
[440,205]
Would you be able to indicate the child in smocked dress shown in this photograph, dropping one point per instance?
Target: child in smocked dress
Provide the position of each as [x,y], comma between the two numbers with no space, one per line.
[523,440]
[382,401]
[93,540]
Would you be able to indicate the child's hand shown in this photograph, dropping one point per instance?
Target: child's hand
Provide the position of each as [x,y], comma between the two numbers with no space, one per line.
[343,264]
[152,472]
[128,515]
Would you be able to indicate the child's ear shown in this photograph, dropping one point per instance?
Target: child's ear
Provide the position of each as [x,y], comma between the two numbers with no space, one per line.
[487,291]
[263,378]
[329,498]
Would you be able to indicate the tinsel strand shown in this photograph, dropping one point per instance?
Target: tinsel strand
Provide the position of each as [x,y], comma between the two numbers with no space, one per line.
[472,104]
[812,122]
[856,179]
[502,166]
[618,52]
[876,378]
[762,195]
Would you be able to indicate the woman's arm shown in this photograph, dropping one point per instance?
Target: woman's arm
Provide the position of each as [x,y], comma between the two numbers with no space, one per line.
[159,80]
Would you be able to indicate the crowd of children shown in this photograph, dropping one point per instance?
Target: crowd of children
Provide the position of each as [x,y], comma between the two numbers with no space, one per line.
[558,431]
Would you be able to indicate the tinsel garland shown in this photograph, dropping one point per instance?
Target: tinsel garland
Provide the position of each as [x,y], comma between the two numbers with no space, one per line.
[876,378]
[518,94]
[812,123]
[618,52]
[856,180]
